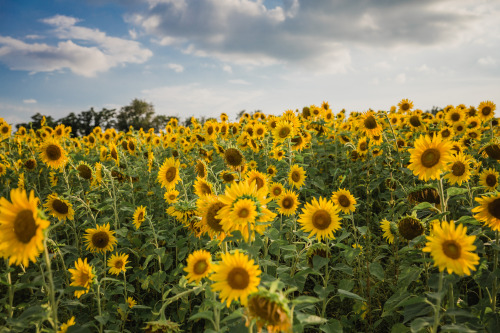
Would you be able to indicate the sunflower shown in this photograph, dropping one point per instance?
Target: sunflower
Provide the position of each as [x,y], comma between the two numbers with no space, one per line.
[82,276]
[486,110]
[410,227]
[227,177]
[234,158]
[489,179]
[459,127]
[276,190]
[64,327]
[284,129]
[259,178]
[100,239]
[385,225]
[171,196]
[452,249]
[201,169]
[320,218]
[297,176]
[53,154]
[405,105]
[459,168]
[415,122]
[59,208]
[30,164]
[117,263]
[168,175]
[368,124]
[131,302]
[202,187]
[199,265]
[489,210]
[245,210]
[3,169]
[113,152]
[207,208]
[21,229]
[288,203]
[429,157]
[5,130]
[272,171]
[454,116]
[344,200]
[139,216]
[235,277]
[84,170]
[270,310]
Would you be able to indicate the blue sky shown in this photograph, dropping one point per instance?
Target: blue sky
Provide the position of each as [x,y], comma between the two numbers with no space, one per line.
[204,57]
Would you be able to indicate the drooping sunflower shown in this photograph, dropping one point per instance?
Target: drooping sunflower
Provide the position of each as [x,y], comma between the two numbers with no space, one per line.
[81,276]
[227,177]
[113,152]
[486,110]
[202,187]
[171,196]
[385,225]
[270,310]
[235,277]
[84,170]
[258,178]
[100,239]
[459,168]
[207,208]
[489,210]
[297,176]
[117,263]
[53,154]
[344,200]
[489,179]
[168,175]
[139,216]
[410,227]
[320,218]
[21,229]
[452,249]
[288,203]
[64,327]
[199,265]
[429,157]
[59,208]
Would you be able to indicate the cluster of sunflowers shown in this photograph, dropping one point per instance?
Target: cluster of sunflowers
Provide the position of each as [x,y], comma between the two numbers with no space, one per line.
[151,206]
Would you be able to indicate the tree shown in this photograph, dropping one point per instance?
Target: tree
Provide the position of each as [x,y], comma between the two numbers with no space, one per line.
[36,123]
[139,114]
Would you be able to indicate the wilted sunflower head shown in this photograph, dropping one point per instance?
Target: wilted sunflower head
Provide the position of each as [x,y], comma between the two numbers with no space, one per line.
[269,310]
[424,193]
[410,227]
[317,249]
[493,151]
[30,164]
[84,171]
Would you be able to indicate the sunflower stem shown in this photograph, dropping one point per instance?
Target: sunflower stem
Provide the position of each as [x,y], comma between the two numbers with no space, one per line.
[11,290]
[125,286]
[451,301]
[495,281]
[98,294]
[216,313]
[53,305]
[437,308]
[441,194]
[327,277]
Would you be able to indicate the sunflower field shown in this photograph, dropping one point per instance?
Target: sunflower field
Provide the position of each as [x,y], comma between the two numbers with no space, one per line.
[311,221]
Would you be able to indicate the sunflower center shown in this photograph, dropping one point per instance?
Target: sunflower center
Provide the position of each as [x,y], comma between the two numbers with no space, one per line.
[494,208]
[321,219]
[370,122]
[140,217]
[30,164]
[414,121]
[445,133]
[258,181]
[238,278]
[205,189]
[458,169]
[363,146]
[400,143]
[84,171]
[214,223]
[460,128]
[131,146]
[283,132]
[452,249]
[430,157]
[287,203]
[277,191]
[228,177]
[405,106]
[119,264]
[243,213]
[344,201]
[100,239]
[455,116]
[60,207]
[25,226]
[260,131]
[170,174]
[486,110]
[200,267]
[53,152]
[114,154]
[233,157]
[5,130]
[296,176]
[491,180]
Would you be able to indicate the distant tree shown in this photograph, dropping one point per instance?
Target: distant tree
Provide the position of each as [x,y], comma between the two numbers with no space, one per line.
[36,122]
[434,110]
[85,121]
[139,114]
[160,121]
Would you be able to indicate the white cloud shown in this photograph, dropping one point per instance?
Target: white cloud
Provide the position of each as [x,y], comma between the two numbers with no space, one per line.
[487,61]
[29,101]
[227,69]
[176,67]
[239,81]
[98,52]
[132,33]
[315,35]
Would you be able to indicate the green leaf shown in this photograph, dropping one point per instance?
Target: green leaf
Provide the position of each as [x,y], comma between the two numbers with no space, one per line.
[452,191]
[102,319]
[305,299]
[333,326]
[208,315]
[319,262]
[418,324]
[400,328]
[348,294]
[423,205]
[305,318]
[456,328]
[377,270]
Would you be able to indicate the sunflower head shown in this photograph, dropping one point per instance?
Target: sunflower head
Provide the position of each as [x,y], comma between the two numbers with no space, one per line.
[276,190]
[410,227]
[59,208]
[84,170]
[488,210]
[53,154]
[317,249]
[429,157]
[139,216]
[82,276]
[199,265]
[344,200]
[117,263]
[424,193]
[270,310]
[288,202]
[100,239]
[320,218]
[297,176]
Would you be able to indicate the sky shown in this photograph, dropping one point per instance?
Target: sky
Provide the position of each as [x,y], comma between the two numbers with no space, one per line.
[204,57]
